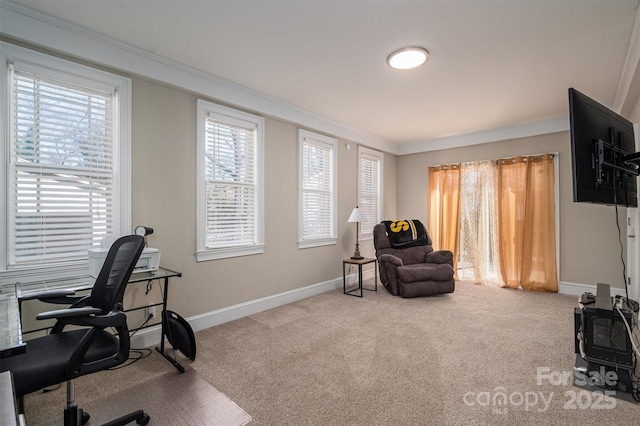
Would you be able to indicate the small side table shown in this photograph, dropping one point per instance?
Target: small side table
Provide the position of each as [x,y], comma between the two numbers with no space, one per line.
[359,262]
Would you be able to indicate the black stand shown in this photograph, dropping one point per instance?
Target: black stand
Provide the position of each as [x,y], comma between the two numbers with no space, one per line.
[607,365]
[172,360]
[359,262]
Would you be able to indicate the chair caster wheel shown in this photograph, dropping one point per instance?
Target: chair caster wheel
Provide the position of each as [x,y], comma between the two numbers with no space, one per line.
[85,418]
[144,420]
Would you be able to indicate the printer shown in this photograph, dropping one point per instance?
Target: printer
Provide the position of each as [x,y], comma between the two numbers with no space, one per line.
[149,260]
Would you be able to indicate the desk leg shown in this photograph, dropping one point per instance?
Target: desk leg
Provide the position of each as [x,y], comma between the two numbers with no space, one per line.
[165,297]
[173,361]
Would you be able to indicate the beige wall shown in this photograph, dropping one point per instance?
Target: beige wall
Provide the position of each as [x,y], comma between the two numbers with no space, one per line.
[589,248]
[164,144]
[163,158]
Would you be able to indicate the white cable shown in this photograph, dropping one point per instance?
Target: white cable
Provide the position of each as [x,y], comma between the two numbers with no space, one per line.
[579,335]
[581,345]
[635,348]
[631,339]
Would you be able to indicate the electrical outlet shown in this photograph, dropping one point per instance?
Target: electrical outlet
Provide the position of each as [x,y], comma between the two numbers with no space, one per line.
[151,311]
[619,303]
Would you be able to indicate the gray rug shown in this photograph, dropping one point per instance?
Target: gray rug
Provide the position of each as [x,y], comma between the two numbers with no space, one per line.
[170,399]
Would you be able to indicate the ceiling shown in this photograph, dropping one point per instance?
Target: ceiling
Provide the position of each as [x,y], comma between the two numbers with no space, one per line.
[494,63]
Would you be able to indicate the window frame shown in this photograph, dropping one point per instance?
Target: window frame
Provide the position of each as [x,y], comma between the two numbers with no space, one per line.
[379,157]
[204,253]
[305,136]
[75,73]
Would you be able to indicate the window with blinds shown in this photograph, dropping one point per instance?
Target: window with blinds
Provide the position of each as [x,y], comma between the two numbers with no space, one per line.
[370,188]
[61,186]
[317,198]
[231,216]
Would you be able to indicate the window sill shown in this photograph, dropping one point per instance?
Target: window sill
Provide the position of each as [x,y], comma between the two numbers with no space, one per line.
[228,252]
[41,273]
[317,243]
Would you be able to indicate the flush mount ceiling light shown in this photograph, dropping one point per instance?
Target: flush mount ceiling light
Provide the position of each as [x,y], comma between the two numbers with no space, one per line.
[407,58]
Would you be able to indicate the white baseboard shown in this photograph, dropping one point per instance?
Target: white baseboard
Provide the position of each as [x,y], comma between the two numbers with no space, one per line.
[147,337]
[575,289]
[151,336]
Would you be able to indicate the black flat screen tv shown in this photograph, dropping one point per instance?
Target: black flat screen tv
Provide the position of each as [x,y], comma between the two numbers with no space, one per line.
[603,154]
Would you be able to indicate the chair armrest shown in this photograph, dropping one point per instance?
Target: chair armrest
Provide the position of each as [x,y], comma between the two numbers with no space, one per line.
[67,313]
[389,258]
[48,294]
[439,256]
[86,316]
[57,297]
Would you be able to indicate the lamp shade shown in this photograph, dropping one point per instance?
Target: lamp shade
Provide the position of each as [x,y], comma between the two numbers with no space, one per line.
[357,216]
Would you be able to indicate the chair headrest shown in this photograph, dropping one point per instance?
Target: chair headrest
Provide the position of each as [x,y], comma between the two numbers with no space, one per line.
[400,234]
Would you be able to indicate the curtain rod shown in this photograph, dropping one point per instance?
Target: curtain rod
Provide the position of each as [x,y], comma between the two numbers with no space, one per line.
[457,165]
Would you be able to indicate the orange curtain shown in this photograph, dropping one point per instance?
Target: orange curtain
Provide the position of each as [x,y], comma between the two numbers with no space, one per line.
[526,217]
[444,208]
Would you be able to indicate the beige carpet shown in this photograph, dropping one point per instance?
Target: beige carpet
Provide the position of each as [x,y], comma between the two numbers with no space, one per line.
[381,360]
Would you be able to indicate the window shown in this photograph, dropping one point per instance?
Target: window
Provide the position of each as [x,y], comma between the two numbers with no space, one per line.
[317,197]
[499,217]
[230,212]
[369,188]
[478,246]
[67,162]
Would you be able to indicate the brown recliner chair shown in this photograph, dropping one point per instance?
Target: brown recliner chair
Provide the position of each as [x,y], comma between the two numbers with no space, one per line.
[414,270]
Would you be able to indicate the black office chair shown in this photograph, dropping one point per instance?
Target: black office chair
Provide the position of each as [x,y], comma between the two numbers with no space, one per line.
[64,355]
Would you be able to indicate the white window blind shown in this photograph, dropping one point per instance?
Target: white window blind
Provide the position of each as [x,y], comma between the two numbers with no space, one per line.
[230,182]
[61,169]
[317,189]
[370,188]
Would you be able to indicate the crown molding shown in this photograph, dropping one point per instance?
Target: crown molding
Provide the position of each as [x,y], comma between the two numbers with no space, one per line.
[26,25]
[36,28]
[630,66]
[553,125]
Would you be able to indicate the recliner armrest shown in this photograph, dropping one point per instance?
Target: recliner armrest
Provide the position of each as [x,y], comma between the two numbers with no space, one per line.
[389,258]
[439,256]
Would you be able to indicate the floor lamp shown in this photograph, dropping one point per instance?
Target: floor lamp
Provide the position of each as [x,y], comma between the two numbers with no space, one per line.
[357,216]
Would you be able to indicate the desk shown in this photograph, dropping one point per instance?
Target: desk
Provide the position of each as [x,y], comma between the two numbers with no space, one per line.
[11,297]
[359,262]
[8,413]
[11,332]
